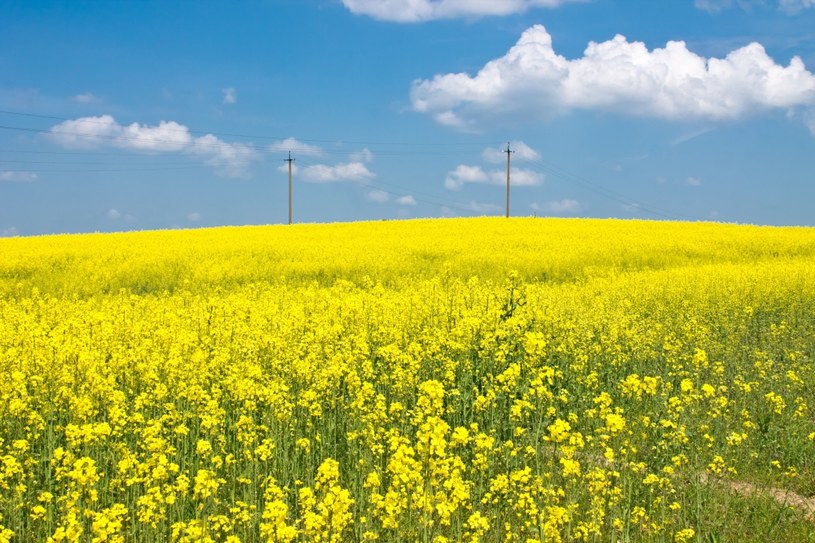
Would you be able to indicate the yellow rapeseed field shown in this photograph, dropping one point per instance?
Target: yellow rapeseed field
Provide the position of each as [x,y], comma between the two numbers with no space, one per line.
[521,380]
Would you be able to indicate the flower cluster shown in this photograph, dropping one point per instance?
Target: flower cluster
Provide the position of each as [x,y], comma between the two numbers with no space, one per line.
[400,382]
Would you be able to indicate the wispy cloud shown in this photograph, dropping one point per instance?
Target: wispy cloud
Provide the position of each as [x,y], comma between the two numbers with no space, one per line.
[692,135]
[483,208]
[364,155]
[791,7]
[295,146]
[413,11]
[378,196]
[230,95]
[558,207]
[116,215]
[344,171]
[11,176]
[86,98]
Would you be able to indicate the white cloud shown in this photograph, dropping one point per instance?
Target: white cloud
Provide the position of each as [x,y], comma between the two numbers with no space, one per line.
[230,95]
[558,207]
[694,181]
[521,151]
[790,7]
[688,136]
[365,155]
[717,6]
[194,216]
[406,200]
[295,146]
[168,136]
[9,232]
[86,132]
[17,177]
[86,98]
[533,81]
[116,215]
[348,171]
[519,177]
[284,168]
[463,174]
[794,6]
[378,196]
[411,11]
[228,159]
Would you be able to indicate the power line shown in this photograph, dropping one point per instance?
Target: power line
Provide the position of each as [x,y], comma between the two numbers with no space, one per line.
[147,141]
[238,135]
[574,178]
[396,190]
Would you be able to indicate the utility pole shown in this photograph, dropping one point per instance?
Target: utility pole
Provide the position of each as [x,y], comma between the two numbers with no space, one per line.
[509,152]
[289,160]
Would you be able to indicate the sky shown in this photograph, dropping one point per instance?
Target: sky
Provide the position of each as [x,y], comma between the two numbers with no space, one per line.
[134,115]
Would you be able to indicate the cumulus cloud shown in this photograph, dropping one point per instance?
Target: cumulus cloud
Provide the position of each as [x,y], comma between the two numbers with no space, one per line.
[228,159]
[619,76]
[194,216]
[694,181]
[17,177]
[166,137]
[230,95]
[558,207]
[407,200]
[86,132]
[295,146]
[378,196]
[463,174]
[412,11]
[346,171]
[9,232]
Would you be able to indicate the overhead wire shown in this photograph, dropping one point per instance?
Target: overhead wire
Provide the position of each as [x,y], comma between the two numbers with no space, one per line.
[142,143]
[238,135]
[395,190]
[570,177]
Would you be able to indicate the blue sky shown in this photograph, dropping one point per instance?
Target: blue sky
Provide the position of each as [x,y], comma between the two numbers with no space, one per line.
[139,115]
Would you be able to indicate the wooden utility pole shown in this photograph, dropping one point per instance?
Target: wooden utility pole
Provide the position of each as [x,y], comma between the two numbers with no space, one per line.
[289,160]
[509,152]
